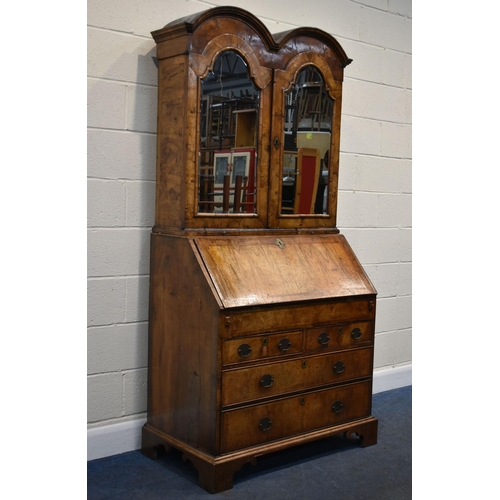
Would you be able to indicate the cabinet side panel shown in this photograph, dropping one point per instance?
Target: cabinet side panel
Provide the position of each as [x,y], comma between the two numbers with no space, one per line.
[171,140]
[183,348]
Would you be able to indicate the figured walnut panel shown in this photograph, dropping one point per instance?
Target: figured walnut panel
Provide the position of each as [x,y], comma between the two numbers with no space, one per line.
[171,139]
[249,271]
[184,318]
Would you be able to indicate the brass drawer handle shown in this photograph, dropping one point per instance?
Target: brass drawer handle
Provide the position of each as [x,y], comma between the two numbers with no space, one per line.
[338,367]
[267,381]
[265,424]
[356,333]
[337,406]
[284,345]
[244,350]
[323,338]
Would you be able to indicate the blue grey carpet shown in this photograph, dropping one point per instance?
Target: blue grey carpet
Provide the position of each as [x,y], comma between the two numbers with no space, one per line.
[332,468]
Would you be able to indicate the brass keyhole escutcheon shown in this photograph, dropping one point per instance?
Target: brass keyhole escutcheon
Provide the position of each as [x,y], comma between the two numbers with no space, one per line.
[264,341]
[280,243]
[302,401]
[276,143]
[304,364]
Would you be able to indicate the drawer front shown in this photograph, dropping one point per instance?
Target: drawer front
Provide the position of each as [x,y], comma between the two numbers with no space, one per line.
[259,424]
[256,382]
[344,335]
[261,347]
[269,319]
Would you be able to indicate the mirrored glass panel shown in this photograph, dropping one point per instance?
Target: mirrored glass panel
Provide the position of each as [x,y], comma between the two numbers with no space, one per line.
[228,138]
[307,140]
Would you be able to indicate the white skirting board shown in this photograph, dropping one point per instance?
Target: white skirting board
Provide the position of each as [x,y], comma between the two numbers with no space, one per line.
[391,378]
[119,438]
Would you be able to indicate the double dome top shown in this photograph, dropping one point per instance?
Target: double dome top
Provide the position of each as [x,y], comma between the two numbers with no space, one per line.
[273,42]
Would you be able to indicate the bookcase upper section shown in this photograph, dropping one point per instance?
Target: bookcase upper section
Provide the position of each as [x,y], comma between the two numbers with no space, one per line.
[248,125]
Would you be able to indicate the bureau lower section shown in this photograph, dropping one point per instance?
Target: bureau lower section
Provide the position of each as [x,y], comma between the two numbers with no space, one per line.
[251,382]
[228,383]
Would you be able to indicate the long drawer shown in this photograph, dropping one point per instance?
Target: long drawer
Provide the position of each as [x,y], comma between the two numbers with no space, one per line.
[286,417]
[256,382]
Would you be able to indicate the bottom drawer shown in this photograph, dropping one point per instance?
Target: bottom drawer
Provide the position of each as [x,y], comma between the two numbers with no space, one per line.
[258,424]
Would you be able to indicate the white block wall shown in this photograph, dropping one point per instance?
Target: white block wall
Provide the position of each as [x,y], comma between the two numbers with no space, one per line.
[374,209]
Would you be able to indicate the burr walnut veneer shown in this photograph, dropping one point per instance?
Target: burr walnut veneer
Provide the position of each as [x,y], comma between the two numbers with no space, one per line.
[261,325]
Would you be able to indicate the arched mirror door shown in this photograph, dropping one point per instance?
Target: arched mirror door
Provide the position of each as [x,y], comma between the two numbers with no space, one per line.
[229,121]
[307,138]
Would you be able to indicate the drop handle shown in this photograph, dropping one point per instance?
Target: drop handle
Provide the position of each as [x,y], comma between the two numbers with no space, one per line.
[267,381]
[284,345]
[338,367]
[244,350]
[323,338]
[265,424]
[337,406]
[356,333]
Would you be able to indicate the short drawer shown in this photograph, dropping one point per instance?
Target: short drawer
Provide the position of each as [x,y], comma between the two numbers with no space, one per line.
[334,336]
[259,424]
[256,382]
[261,347]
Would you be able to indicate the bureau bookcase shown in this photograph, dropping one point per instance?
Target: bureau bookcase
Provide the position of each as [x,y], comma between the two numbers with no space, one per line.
[261,324]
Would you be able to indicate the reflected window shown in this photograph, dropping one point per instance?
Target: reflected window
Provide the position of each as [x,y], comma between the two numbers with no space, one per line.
[307,140]
[228,138]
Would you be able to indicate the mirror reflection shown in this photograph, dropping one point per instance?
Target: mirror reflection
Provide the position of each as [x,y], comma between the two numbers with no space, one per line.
[228,138]
[307,140]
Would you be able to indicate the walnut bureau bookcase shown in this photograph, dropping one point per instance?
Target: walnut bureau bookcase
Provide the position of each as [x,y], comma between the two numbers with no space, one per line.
[261,325]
